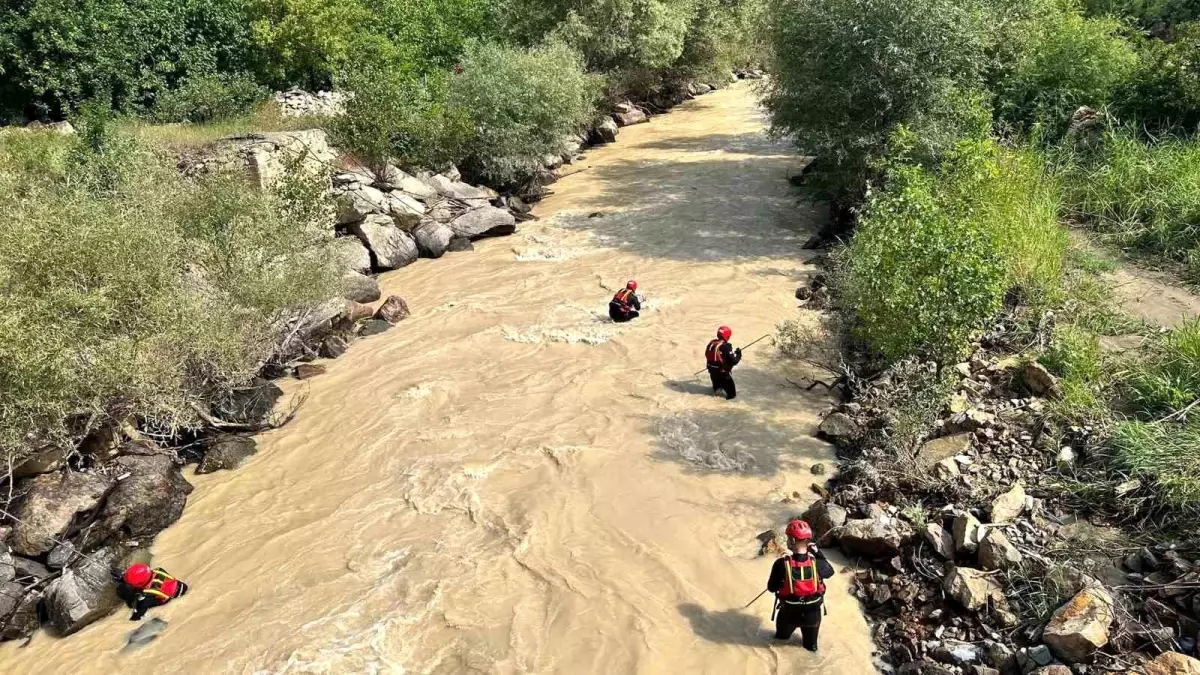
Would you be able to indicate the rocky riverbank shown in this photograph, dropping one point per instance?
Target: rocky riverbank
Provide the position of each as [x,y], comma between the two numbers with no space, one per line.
[71,520]
[955,496]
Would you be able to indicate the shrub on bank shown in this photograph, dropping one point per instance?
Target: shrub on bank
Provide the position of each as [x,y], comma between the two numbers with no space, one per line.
[129,293]
[208,97]
[1170,380]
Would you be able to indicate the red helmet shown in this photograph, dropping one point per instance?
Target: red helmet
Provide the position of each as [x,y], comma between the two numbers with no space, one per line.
[724,333]
[798,529]
[138,575]
[632,285]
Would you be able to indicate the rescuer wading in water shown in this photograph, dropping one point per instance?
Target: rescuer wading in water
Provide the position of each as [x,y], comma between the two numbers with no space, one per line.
[720,358]
[625,305]
[798,582]
[143,588]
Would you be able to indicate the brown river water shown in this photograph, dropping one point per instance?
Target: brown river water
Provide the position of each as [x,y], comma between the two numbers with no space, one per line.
[507,482]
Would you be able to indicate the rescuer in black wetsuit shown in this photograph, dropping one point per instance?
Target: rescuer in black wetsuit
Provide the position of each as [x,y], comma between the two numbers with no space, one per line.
[625,305]
[721,357]
[798,582]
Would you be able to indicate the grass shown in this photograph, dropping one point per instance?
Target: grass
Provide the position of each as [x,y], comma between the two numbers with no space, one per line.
[1167,453]
[1170,380]
[188,135]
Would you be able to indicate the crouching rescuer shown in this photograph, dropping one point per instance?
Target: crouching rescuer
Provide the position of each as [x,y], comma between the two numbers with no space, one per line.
[798,582]
[143,588]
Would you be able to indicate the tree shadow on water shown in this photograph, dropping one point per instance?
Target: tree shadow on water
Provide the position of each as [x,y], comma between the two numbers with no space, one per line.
[729,627]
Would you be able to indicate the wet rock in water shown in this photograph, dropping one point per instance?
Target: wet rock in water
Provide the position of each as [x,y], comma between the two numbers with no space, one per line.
[604,132]
[1039,381]
[50,504]
[306,371]
[144,634]
[940,540]
[818,469]
[634,116]
[1009,505]
[333,346]
[373,327]
[772,543]
[459,244]
[62,555]
[18,611]
[7,571]
[393,310]
[354,253]
[226,452]
[1080,627]
[487,221]
[871,537]
[839,428]
[1172,663]
[433,238]
[824,517]
[355,312]
[83,594]
[966,533]
[972,588]
[145,502]
[996,552]
[391,246]
[250,405]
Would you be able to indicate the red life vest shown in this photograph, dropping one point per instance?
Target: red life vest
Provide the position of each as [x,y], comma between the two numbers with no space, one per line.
[803,584]
[163,586]
[713,355]
[622,298]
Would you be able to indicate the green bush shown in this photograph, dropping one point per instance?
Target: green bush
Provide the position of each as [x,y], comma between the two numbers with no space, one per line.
[205,98]
[1064,61]
[1170,380]
[847,72]
[521,104]
[1147,13]
[1147,195]
[128,293]
[1164,93]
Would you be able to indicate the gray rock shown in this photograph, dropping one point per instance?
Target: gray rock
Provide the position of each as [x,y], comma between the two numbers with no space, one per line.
[44,460]
[824,518]
[459,244]
[1009,505]
[333,346]
[839,428]
[454,189]
[50,505]
[870,537]
[149,498]
[947,447]
[1030,659]
[7,571]
[484,222]
[432,238]
[393,310]
[227,452]
[410,185]
[1080,627]
[391,246]
[972,588]
[405,210]
[29,570]
[360,288]
[355,254]
[940,540]
[62,555]
[358,202]
[251,404]
[18,611]
[996,552]
[966,533]
[373,327]
[83,594]
[605,132]
[634,116]
[1039,381]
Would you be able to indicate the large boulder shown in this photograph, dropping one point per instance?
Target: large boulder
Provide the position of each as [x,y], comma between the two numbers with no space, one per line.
[44,460]
[1080,627]
[604,132]
[824,518]
[459,245]
[148,499]
[1009,505]
[432,238]
[454,189]
[972,588]
[872,537]
[18,611]
[839,428]
[393,310]
[226,452]
[358,202]
[249,405]
[633,116]
[353,253]
[50,505]
[996,552]
[405,210]
[1172,663]
[487,221]
[360,288]
[392,247]
[410,185]
[83,593]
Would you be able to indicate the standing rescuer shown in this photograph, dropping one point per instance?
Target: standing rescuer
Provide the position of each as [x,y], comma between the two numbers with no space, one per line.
[721,357]
[625,305]
[145,588]
[798,582]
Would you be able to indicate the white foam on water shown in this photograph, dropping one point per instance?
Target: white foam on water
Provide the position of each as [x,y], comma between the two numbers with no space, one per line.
[693,444]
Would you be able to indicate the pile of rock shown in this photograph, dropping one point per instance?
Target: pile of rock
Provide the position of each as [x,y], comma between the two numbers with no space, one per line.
[300,103]
[265,157]
[748,74]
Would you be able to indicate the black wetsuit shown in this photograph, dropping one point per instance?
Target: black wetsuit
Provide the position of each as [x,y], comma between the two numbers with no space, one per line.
[792,615]
[624,311]
[720,375]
